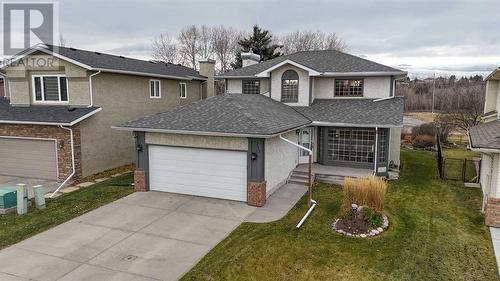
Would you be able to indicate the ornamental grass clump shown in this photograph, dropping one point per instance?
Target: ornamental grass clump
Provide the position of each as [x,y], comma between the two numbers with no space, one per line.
[364,191]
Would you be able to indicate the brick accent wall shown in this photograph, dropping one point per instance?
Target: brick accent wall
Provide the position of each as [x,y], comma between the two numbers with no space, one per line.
[63,143]
[492,217]
[256,194]
[140,180]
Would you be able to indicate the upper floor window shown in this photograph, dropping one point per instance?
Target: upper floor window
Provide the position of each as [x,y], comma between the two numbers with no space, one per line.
[251,87]
[154,89]
[290,86]
[348,87]
[50,88]
[183,90]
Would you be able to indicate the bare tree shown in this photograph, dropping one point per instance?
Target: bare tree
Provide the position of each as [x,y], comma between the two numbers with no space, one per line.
[225,45]
[205,47]
[189,40]
[165,49]
[308,40]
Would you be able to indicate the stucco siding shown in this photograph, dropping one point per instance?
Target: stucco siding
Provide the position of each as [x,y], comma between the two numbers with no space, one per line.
[123,98]
[213,142]
[395,145]
[234,86]
[490,102]
[303,85]
[281,159]
[373,87]
[485,175]
[20,79]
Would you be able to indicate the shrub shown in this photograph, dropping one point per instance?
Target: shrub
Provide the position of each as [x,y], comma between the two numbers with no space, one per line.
[365,191]
[423,129]
[424,141]
[372,217]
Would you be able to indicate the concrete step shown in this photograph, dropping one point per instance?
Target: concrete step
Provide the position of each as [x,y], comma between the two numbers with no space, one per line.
[299,179]
[300,176]
[331,179]
[300,172]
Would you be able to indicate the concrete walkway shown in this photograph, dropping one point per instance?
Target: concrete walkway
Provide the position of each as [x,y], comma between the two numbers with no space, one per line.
[278,204]
[495,238]
[144,236]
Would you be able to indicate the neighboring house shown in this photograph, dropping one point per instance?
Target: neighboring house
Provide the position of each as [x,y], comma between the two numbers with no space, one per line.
[485,138]
[232,146]
[60,105]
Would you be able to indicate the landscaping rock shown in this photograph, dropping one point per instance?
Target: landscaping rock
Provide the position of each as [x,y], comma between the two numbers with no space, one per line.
[85,184]
[380,229]
[116,175]
[363,235]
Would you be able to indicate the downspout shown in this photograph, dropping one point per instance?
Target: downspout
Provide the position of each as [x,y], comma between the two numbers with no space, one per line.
[375,156]
[91,94]
[72,162]
[312,204]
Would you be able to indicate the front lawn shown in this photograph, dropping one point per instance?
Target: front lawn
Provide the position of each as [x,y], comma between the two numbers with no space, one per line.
[15,228]
[436,232]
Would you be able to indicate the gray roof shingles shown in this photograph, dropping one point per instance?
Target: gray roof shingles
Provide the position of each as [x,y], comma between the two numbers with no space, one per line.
[243,114]
[54,114]
[485,135]
[321,61]
[226,114]
[359,112]
[119,63]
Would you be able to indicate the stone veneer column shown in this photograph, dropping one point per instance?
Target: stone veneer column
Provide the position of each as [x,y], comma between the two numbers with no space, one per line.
[140,180]
[256,194]
[492,217]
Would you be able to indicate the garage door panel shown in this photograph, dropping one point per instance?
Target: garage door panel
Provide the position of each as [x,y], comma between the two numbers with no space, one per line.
[201,169]
[202,172]
[28,158]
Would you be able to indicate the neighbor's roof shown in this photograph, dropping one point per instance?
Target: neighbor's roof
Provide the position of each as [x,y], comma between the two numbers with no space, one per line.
[494,75]
[355,112]
[325,62]
[44,114]
[485,135]
[228,114]
[112,63]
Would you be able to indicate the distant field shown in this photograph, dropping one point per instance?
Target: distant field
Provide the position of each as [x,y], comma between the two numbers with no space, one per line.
[424,116]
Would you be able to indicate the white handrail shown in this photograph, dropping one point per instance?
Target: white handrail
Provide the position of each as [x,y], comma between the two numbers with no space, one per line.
[296,144]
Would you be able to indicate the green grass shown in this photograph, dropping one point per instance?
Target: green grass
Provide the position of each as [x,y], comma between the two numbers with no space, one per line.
[436,232]
[14,228]
[454,165]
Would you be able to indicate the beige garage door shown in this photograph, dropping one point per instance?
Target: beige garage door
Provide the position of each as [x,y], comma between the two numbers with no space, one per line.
[28,158]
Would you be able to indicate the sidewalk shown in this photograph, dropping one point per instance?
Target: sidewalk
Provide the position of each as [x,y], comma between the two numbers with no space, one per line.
[495,238]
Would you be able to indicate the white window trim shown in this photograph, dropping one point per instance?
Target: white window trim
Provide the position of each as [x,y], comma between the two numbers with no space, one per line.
[43,101]
[159,89]
[185,91]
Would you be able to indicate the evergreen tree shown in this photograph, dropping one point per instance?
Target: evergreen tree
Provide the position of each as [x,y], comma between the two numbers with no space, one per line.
[260,42]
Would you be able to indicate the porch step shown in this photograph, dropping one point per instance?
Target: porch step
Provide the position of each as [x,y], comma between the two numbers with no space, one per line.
[299,177]
[339,180]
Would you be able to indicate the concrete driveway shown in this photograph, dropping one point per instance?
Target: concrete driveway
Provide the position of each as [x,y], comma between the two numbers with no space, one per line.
[144,236]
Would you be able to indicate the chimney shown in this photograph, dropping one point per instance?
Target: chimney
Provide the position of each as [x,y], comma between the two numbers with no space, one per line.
[249,58]
[207,68]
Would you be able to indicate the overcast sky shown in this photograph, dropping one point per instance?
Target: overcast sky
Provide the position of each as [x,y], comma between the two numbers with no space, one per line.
[446,35]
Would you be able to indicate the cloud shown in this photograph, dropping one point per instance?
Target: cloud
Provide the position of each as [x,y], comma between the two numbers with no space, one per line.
[419,33]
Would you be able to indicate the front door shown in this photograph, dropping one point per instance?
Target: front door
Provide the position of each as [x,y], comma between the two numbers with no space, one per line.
[306,140]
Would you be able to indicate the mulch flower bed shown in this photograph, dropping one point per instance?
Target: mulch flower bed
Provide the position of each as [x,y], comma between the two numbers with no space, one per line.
[358,228]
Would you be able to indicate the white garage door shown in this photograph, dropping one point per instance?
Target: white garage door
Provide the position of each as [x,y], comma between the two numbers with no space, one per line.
[202,172]
[30,158]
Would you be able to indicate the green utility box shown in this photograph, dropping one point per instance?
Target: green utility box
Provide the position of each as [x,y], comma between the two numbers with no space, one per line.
[8,199]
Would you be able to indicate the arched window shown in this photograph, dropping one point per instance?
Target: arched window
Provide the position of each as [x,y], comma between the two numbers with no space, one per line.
[290,86]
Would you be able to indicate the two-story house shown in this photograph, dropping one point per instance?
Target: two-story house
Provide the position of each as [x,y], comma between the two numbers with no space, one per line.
[60,104]
[485,138]
[244,144]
